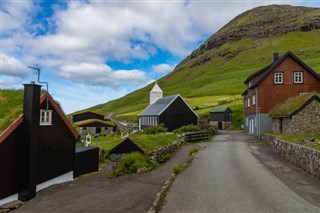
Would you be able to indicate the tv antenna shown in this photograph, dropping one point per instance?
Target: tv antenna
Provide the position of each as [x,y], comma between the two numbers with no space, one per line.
[37,69]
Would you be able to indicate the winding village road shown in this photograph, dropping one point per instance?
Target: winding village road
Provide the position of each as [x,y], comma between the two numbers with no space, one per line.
[236,173]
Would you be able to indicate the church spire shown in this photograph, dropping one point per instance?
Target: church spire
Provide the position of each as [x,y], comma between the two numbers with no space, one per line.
[156,93]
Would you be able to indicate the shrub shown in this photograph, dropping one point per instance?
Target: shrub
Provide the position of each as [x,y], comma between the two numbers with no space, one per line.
[133,163]
[155,129]
[192,151]
[164,157]
[188,128]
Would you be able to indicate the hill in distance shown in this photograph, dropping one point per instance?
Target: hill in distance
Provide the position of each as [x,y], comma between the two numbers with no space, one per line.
[214,73]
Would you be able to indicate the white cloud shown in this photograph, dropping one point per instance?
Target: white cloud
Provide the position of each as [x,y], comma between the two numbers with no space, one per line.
[102,74]
[163,68]
[12,66]
[15,15]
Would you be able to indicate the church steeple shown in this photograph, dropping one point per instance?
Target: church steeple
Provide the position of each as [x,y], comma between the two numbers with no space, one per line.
[156,93]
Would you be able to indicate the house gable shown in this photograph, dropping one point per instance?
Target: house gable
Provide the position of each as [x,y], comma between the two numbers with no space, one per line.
[295,64]
[19,121]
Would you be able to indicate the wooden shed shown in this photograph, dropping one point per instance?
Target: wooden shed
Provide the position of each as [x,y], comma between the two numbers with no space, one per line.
[221,117]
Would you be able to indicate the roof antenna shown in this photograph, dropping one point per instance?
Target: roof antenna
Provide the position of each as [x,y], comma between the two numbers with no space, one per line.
[37,69]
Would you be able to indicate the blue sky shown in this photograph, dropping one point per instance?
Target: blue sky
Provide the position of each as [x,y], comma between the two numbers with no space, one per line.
[92,52]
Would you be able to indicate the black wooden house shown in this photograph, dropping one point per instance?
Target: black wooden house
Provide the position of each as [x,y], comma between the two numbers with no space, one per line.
[37,149]
[172,111]
[221,117]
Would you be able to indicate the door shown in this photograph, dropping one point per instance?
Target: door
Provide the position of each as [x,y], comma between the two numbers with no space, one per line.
[220,125]
[98,130]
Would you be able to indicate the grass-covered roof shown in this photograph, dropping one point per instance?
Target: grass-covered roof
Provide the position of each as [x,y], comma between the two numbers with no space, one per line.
[219,109]
[291,105]
[11,107]
[89,121]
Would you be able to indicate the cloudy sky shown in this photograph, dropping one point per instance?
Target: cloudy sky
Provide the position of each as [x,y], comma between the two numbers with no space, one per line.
[91,52]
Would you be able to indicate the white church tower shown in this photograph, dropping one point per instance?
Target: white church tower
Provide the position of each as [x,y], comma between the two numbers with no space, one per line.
[155,94]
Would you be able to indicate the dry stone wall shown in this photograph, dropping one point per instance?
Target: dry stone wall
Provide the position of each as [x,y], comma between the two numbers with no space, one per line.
[303,157]
[156,154]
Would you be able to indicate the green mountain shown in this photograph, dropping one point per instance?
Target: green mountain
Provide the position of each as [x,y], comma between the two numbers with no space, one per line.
[214,73]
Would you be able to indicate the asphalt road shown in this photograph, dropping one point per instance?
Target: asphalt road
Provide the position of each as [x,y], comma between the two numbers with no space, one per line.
[235,173]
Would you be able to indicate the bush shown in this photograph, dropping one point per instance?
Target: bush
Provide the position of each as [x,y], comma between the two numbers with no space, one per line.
[155,129]
[188,128]
[164,157]
[135,162]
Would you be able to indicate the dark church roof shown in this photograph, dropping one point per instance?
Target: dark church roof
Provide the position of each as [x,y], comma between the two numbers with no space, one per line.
[159,106]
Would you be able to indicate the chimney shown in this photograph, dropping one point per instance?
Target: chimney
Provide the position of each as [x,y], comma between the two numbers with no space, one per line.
[275,57]
[29,147]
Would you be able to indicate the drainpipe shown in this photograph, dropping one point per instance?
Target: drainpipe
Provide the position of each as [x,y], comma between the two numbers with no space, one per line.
[30,142]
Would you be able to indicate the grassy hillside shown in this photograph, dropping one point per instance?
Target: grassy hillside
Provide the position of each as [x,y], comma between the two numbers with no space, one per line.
[11,107]
[213,75]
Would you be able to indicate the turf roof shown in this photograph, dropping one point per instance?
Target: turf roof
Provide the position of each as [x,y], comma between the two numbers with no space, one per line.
[291,105]
[11,107]
[219,109]
[89,121]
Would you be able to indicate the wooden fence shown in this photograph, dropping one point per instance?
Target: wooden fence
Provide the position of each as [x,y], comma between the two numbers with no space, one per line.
[198,136]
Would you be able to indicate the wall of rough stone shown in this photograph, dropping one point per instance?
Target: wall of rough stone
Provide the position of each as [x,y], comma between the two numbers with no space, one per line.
[303,157]
[305,121]
[156,154]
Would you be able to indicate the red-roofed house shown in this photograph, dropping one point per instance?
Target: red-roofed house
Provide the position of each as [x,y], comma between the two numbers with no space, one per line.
[285,77]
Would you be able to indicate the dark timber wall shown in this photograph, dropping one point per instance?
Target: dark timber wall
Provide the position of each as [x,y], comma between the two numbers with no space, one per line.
[177,114]
[221,116]
[57,145]
[10,160]
[86,160]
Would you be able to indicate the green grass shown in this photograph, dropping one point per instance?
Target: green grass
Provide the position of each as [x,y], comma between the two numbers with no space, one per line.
[221,77]
[11,107]
[152,142]
[145,142]
[135,162]
[107,142]
[296,138]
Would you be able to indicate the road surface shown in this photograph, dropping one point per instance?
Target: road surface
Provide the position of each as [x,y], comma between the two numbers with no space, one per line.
[236,173]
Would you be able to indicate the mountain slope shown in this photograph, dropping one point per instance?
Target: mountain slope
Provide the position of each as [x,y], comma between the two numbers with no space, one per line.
[217,69]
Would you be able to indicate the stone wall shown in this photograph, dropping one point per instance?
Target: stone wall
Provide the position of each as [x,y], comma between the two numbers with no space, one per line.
[305,121]
[303,157]
[156,154]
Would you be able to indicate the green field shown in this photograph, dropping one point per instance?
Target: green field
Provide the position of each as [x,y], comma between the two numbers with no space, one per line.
[220,77]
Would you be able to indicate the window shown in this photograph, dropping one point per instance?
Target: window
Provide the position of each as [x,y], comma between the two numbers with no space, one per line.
[298,77]
[45,117]
[254,100]
[249,102]
[278,78]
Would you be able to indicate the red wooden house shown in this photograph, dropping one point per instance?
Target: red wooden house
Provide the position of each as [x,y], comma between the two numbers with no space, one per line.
[285,77]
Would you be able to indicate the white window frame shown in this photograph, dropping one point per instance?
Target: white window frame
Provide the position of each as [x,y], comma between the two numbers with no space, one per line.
[278,77]
[45,117]
[249,102]
[253,100]
[298,77]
